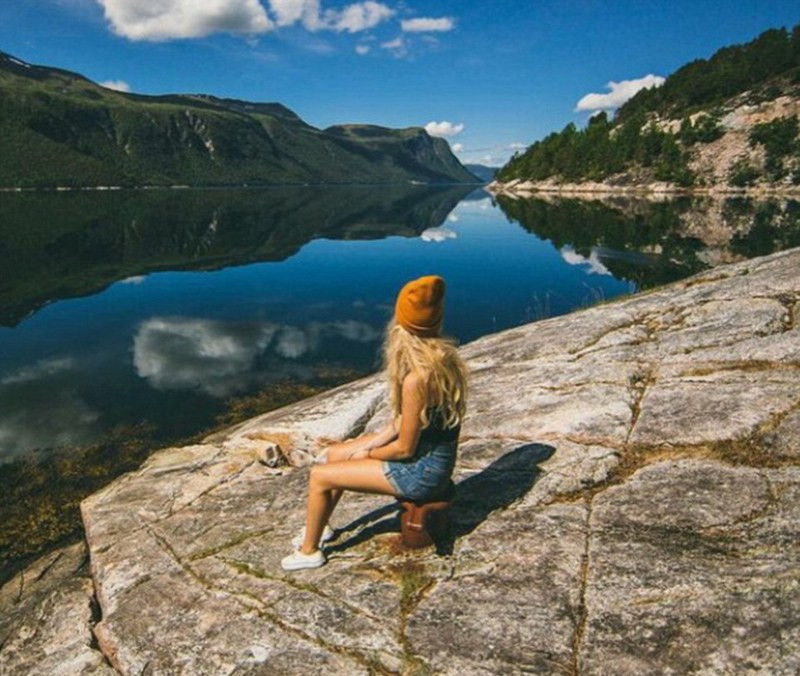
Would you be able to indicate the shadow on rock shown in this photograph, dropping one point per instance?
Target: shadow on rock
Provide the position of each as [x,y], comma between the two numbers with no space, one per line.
[500,484]
[503,482]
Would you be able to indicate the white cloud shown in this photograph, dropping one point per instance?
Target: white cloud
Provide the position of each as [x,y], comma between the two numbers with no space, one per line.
[116,85]
[289,12]
[439,234]
[444,129]
[350,329]
[423,25]
[174,19]
[168,19]
[361,50]
[354,18]
[396,46]
[516,146]
[483,204]
[41,408]
[595,266]
[457,147]
[620,92]
[358,17]
[292,343]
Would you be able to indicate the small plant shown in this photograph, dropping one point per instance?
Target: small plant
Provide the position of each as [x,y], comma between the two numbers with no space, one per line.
[413,581]
[705,129]
[742,174]
[779,139]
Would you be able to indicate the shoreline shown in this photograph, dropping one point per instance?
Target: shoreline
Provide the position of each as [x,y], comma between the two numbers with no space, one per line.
[84,462]
[236,186]
[519,188]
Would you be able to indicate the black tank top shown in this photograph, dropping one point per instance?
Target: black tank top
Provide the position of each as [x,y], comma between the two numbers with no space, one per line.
[436,431]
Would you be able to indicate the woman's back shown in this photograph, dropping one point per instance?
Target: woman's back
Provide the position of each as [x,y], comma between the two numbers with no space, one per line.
[437,431]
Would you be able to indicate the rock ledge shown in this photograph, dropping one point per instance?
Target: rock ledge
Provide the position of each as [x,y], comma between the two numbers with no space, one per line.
[628,494]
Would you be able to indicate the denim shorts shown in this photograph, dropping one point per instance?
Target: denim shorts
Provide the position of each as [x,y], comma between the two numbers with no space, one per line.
[426,475]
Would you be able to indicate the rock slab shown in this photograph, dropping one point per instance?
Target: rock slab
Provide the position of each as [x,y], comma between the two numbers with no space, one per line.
[628,487]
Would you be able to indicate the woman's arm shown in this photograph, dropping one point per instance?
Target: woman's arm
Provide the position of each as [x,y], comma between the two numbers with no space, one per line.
[405,444]
[357,448]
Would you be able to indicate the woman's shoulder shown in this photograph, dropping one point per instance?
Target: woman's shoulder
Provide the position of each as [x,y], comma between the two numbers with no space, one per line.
[420,382]
[415,379]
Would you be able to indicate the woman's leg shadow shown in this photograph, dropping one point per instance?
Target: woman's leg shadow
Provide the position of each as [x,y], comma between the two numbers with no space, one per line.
[503,482]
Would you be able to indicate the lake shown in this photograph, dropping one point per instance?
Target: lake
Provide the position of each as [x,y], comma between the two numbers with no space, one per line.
[134,319]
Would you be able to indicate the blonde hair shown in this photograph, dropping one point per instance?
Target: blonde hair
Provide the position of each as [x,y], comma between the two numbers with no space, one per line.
[436,360]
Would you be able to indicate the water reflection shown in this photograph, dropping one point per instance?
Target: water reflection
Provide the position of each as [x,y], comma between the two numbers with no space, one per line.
[592,263]
[55,246]
[41,406]
[439,234]
[656,241]
[224,358]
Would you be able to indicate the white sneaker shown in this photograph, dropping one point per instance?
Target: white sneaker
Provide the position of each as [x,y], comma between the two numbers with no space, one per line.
[327,536]
[298,560]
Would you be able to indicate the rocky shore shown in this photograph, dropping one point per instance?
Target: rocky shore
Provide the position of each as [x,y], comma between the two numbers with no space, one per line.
[628,502]
[519,188]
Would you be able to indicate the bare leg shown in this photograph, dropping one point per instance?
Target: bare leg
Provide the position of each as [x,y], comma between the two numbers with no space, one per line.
[365,476]
[341,453]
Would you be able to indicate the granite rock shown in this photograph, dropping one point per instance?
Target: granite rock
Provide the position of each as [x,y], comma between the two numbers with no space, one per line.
[46,616]
[627,499]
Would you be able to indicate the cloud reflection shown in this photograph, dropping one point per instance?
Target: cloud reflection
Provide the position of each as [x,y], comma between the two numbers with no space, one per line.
[175,353]
[439,234]
[40,408]
[593,263]
[222,358]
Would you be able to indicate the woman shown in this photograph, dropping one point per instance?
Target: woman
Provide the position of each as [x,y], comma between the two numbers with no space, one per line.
[413,456]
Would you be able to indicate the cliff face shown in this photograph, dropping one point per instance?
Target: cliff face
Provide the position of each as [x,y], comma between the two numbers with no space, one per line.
[723,162]
[628,493]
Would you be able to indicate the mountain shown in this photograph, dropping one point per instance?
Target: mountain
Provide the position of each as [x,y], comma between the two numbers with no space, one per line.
[729,122]
[58,128]
[482,171]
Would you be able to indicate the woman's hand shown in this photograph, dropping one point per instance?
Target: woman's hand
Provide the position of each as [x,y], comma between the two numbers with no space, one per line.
[359,454]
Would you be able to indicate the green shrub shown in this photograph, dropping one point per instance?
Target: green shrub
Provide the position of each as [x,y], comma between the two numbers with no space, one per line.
[705,130]
[742,174]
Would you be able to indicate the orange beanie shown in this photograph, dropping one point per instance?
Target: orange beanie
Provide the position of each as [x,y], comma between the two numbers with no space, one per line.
[420,306]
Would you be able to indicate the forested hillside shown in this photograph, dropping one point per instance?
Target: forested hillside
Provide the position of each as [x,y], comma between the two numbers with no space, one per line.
[731,119]
[59,129]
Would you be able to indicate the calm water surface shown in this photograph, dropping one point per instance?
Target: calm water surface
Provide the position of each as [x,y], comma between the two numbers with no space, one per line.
[270,286]
[171,347]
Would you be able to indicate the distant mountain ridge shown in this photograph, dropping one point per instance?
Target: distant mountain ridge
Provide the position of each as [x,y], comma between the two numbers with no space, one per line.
[483,171]
[58,128]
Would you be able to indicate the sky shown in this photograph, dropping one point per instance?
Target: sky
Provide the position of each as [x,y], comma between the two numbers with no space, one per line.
[491,76]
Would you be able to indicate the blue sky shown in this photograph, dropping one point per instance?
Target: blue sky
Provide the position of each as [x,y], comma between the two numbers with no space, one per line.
[500,73]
